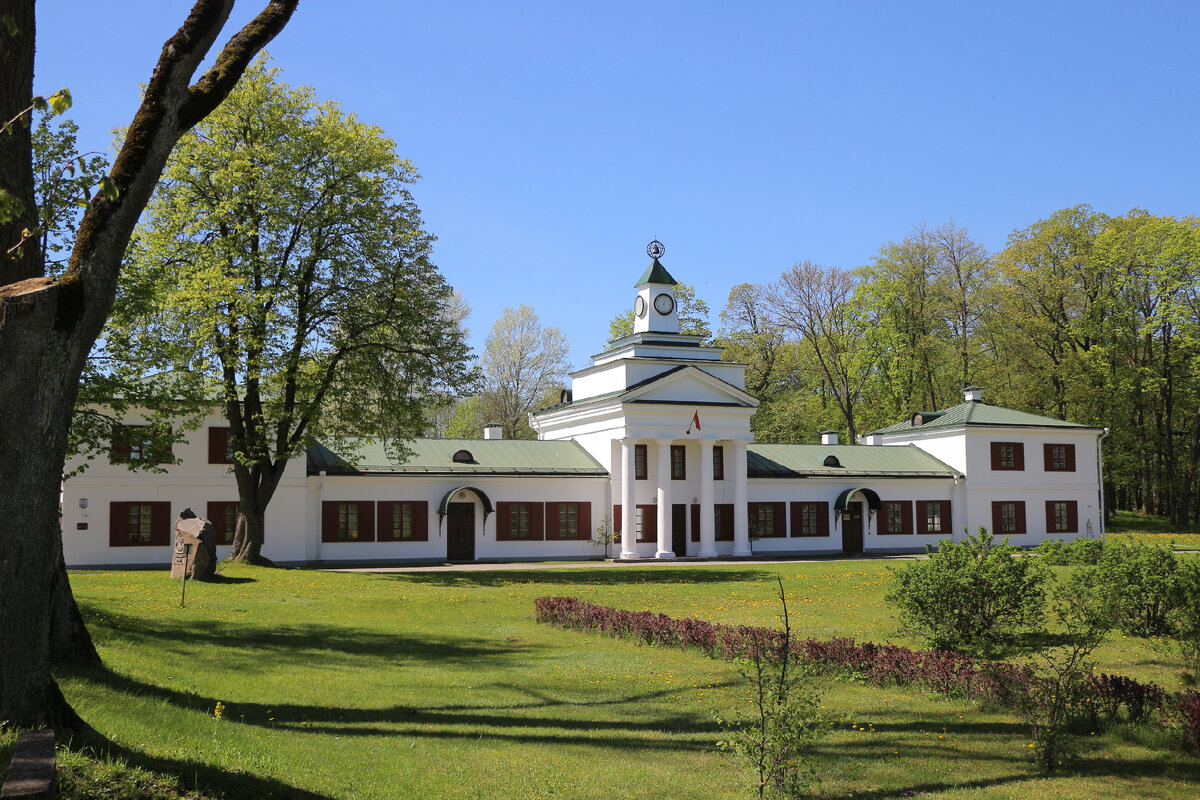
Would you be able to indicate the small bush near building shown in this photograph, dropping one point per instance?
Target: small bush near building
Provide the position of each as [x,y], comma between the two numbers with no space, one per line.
[970,596]
[1057,553]
[1147,583]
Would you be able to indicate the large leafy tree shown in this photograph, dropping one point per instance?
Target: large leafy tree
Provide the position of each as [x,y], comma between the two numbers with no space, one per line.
[49,322]
[283,261]
[524,366]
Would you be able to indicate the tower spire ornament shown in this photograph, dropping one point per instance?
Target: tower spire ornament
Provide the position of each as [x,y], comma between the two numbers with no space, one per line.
[656,249]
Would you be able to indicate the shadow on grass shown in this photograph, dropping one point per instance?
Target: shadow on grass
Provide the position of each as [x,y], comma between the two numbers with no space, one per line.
[219,578]
[611,576]
[195,774]
[516,722]
[302,643]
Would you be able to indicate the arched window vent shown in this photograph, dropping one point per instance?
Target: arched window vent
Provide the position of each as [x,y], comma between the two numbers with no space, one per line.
[464,457]
[831,461]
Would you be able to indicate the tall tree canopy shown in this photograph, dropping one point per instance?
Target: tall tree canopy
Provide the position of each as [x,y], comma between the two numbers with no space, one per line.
[523,364]
[49,322]
[283,262]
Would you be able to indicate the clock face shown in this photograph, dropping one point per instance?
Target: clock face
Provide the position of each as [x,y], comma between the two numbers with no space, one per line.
[639,306]
[664,304]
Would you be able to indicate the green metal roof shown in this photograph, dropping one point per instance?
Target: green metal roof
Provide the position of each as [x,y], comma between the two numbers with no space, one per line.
[656,273]
[436,457]
[865,461]
[982,414]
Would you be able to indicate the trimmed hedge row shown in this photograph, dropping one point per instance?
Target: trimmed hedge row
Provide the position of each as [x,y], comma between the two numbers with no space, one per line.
[999,683]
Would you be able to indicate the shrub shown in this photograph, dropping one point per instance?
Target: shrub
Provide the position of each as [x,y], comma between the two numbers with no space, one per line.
[1147,583]
[1085,551]
[1185,619]
[971,595]
[1053,551]
[1188,707]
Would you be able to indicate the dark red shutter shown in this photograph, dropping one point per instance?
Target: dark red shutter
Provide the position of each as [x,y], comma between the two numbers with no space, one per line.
[923,517]
[503,522]
[1018,456]
[906,514]
[1072,516]
[1020,506]
[553,522]
[329,521]
[217,438]
[420,517]
[1070,457]
[118,524]
[617,519]
[1050,526]
[997,517]
[385,522]
[537,521]
[366,521]
[780,520]
[695,522]
[649,523]
[996,456]
[1048,457]
[584,518]
[947,522]
[161,530]
[752,516]
[216,513]
[726,532]
[823,518]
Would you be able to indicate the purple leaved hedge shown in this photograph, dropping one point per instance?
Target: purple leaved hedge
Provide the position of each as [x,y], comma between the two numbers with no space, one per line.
[998,683]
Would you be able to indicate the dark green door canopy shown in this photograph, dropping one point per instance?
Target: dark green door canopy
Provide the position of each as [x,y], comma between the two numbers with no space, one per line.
[445,504]
[843,500]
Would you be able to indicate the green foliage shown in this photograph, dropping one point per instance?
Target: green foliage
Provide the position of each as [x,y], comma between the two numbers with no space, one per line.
[970,596]
[775,741]
[691,311]
[1057,553]
[1147,584]
[524,366]
[1185,619]
[1085,609]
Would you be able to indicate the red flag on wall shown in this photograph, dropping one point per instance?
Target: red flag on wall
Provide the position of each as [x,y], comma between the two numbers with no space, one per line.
[696,420]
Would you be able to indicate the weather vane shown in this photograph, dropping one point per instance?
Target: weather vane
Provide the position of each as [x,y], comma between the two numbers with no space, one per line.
[656,249]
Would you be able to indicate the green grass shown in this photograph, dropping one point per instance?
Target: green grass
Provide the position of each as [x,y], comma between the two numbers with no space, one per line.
[1133,522]
[441,685]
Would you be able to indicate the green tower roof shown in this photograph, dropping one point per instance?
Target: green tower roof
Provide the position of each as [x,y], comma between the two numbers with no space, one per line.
[656,273]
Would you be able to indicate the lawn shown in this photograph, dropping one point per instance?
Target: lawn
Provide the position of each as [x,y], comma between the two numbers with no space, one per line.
[441,685]
[1128,526]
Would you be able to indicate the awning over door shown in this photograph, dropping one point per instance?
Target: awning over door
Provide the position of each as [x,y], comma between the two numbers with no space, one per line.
[843,500]
[445,504]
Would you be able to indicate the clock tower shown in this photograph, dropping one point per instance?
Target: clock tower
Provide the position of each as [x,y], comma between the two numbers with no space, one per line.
[654,309]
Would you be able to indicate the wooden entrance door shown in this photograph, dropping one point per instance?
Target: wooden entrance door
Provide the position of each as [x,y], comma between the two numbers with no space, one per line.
[852,529]
[679,517]
[460,532]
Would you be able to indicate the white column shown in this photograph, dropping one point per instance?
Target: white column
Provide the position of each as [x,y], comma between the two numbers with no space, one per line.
[628,509]
[741,514]
[708,547]
[664,500]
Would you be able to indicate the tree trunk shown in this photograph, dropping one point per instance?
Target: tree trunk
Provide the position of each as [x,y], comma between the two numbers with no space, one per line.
[256,487]
[248,538]
[70,642]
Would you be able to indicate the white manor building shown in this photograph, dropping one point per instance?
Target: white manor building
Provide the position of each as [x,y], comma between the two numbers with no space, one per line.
[653,444]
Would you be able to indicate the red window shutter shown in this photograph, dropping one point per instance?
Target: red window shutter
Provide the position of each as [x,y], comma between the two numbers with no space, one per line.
[649,523]
[503,522]
[947,522]
[161,532]
[1072,516]
[907,511]
[780,519]
[823,518]
[420,515]
[752,516]
[1018,456]
[1050,527]
[923,517]
[217,512]
[1048,457]
[726,532]
[385,522]
[366,521]
[695,522]
[996,455]
[584,518]
[552,521]
[329,521]
[537,521]
[1070,458]
[617,519]
[797,510]
[216,445]
[118,524]
[997,518]
[1020,504]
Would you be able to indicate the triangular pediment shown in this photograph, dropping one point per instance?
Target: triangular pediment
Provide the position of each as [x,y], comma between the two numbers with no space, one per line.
[688,384]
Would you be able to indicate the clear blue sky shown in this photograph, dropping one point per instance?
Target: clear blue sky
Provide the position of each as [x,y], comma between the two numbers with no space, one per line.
[556,139]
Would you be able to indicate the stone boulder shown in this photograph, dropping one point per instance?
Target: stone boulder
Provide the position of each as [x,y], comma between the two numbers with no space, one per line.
[201,563]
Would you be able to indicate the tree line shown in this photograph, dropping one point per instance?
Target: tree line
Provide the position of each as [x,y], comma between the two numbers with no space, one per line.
[1083,316]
